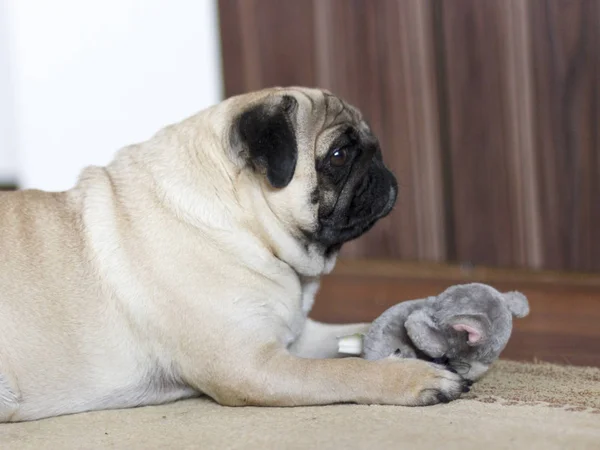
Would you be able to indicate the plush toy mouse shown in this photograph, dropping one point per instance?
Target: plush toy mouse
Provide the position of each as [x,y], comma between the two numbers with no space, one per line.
[465,327]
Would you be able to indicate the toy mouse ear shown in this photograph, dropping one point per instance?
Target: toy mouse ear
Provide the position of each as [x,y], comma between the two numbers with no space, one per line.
[517,303]
[473,334]
[425,334]
[476,326]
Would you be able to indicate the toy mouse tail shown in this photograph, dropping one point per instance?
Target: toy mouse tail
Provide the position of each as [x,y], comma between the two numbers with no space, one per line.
[517,303]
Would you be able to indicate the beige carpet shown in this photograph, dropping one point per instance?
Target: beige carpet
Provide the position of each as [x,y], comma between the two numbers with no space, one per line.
[518,405]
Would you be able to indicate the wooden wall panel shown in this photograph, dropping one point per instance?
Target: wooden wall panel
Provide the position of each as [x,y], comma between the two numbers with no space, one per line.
[266,43]
[566,62]
[489,119]
[522,85]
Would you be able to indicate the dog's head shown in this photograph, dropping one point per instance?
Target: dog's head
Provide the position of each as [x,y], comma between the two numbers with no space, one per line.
[319,165]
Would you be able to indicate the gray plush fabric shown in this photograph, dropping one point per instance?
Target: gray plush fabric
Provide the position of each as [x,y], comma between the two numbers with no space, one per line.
[467,326]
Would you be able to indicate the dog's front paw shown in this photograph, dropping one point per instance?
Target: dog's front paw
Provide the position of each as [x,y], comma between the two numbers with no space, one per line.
[442,385]
[419,383]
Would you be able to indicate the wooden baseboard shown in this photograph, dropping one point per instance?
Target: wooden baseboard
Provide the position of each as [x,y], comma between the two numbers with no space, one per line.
[563,326]
[462,273]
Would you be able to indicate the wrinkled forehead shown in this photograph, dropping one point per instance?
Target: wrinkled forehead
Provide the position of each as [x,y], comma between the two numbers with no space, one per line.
[328,116]
[321,117]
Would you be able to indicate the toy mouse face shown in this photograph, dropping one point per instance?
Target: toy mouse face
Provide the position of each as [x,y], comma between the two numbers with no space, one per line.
[465,327]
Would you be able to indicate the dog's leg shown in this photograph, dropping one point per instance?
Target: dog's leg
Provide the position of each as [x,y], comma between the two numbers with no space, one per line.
[275,377]
[319,340]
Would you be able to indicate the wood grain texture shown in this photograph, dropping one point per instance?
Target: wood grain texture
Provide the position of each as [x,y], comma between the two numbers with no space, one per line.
[489,119]
[522,100]
[562,326]
[521,152]
[266,43]
[566,62]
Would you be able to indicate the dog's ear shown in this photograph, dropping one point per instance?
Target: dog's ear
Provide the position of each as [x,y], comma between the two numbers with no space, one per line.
[268,139]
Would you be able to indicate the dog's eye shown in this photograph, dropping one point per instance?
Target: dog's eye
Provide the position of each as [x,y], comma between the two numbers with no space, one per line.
[339,157]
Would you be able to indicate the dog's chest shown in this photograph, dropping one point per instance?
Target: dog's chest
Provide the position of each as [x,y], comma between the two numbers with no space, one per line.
[309,288]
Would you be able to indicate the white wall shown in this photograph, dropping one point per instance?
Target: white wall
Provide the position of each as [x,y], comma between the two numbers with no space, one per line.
[8,139]
[92,76]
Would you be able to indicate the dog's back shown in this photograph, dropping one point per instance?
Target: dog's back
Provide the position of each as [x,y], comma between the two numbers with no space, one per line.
[39,241]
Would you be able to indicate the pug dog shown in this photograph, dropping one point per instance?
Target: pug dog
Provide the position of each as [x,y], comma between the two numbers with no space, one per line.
[188,266]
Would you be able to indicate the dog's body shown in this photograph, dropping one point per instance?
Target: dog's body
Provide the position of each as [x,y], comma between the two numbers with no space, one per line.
[189,265]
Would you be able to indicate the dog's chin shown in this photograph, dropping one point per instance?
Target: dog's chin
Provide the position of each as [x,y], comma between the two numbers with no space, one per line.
[332,233]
